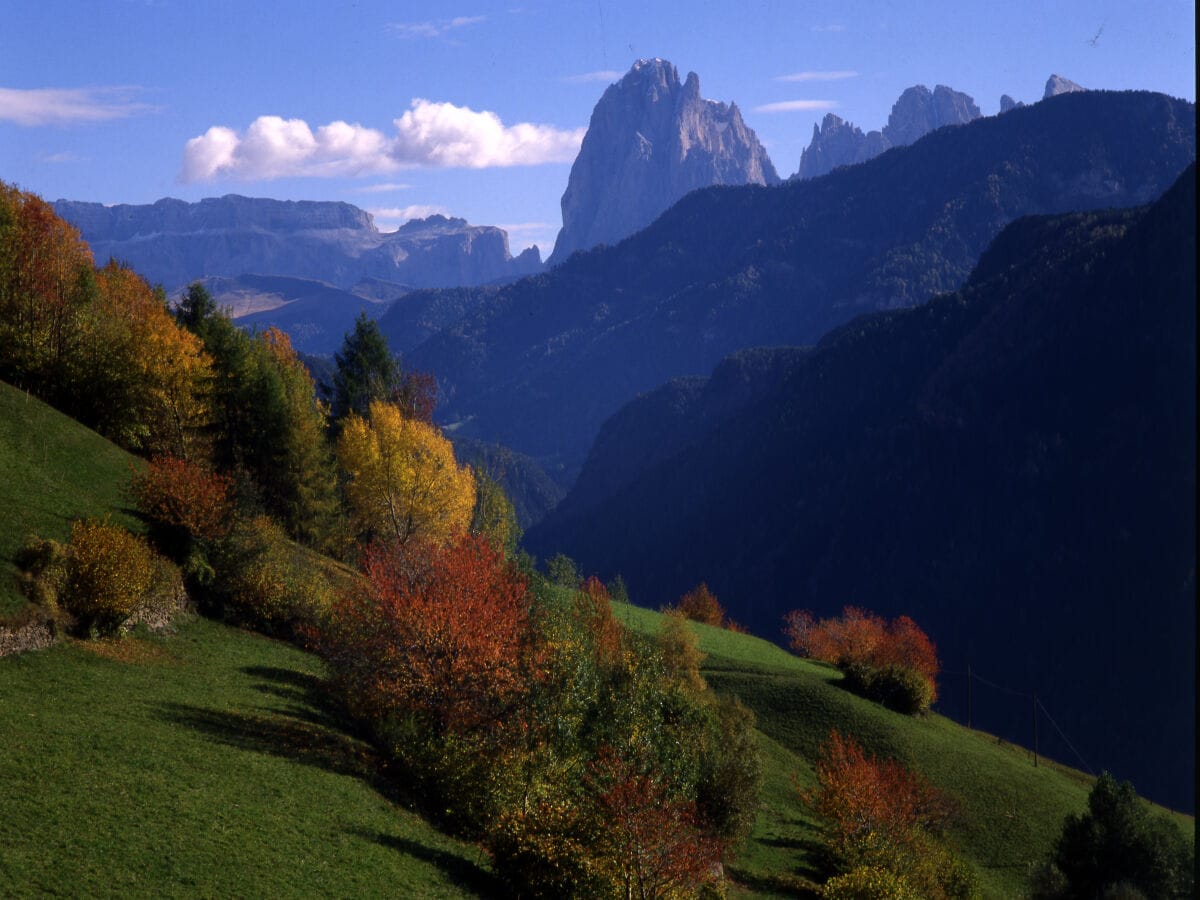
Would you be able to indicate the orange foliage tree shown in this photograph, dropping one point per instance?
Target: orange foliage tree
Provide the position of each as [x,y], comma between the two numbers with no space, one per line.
[651,845]
[858,638]
[883,816]
[700,605]
[45,278]
[437,630]
[183,495]
[149,378]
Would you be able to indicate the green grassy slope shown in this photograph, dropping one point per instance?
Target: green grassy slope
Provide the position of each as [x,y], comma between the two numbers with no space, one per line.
[52,470]
[200,764]
[1011,811]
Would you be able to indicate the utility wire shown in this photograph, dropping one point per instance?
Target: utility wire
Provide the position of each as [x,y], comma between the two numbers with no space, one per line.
[1065,738]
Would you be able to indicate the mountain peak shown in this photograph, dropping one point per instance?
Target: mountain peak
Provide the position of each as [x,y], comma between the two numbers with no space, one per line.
[917,112]
[651,140]
[1056,85]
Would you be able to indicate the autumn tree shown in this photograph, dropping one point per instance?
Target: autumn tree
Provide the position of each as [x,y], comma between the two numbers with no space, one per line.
[147,379]
[46,279]
[268,428]
[651,844]
[437,631]
[187,497]
[404,482]
[882,815]
[680,652]
[895,663]
[700,605]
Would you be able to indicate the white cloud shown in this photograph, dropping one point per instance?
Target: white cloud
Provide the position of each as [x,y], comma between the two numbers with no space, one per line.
[434,28]
[388,219]
[436,135]
[796,106]
[604,75]
[837,75]
[60,106]
[64,157]
[443,135]
[388,187]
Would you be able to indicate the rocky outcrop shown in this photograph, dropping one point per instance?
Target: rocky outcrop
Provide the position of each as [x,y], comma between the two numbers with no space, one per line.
[1007,103]
[917,112]
[1056,85]
[174,243]
[650,141]
[920,111]
[838,143]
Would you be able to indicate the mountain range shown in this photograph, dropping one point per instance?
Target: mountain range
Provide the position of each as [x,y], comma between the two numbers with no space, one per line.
[1011,464]
[918,111]
[836,142]
[174,243]
[538,365]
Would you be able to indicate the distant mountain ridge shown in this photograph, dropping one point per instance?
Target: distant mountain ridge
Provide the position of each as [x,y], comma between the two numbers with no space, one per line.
[652,139]
[174,243]
[539,365]
[1013,465]
[918,111]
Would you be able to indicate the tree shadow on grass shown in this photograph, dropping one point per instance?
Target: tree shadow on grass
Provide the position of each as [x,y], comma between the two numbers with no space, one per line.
[462,872]
[307,729]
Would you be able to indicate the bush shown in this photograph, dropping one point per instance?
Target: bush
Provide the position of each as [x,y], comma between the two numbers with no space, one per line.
[184,500]
[266,581]
[111,574]
[547,852]
[45,568]
[700,605]
[730,773]
[883,816]
[896,687]
[868,883]
[894,663]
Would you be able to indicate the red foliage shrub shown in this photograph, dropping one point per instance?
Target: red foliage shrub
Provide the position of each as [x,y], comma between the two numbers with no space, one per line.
[651,844]
[181,494]
[439,631]
[416,395]
[609,637]
[700,605]
[888,819]
[860,638]
[874,806]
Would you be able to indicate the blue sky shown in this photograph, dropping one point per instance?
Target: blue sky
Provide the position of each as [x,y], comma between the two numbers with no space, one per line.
[476,108]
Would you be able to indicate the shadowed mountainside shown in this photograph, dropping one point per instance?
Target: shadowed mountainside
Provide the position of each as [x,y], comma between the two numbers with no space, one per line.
[1013,465]
[540,364]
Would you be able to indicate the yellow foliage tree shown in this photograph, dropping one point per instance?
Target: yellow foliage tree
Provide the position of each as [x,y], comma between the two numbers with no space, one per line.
[404,481]
[156,374]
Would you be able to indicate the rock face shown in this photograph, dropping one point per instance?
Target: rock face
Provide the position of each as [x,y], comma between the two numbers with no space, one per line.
[1056,85]
[651,140]
[1007,103]
[174,243]
[917,112]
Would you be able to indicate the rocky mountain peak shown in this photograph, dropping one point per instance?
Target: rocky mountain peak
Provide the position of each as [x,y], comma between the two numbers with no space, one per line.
[652,139]
[1008,103]
[1056,85]
[917,112]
